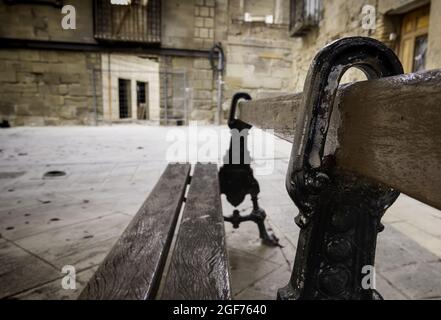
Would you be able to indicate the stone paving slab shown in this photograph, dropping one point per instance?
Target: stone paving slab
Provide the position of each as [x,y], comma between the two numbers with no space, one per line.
[31,196]
[246,239]
[388,290]
[54,291]
[417,280]
[423,238]
[82,245]
[24,222]
[20,270]
[266,288]
[247,268]
[396,249]
[408,210]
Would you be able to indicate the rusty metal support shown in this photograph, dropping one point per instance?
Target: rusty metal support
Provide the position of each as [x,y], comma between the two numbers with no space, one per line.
[340,211]
[236,176]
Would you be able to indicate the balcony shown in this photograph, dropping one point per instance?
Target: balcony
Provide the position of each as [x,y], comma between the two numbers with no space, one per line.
[136,21]
[304,16]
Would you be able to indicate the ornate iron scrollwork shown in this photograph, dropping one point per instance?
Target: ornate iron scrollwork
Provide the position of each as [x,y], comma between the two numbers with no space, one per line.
[236,175]
[340,211]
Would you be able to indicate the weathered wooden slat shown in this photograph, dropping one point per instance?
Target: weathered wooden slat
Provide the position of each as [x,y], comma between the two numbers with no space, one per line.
[133,268]
[276,113]
[390,130]
[199,266]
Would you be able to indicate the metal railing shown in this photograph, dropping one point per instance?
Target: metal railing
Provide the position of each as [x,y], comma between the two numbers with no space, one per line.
[139,21]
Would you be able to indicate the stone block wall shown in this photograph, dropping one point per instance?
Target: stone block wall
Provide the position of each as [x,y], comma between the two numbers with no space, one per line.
[339,18]
[201,88]
[43,87]
[259,56]
[43,22]
[189,24]
[204,91]
[204,23]
[258,60]
[55,87]
[260,67]
[434,54]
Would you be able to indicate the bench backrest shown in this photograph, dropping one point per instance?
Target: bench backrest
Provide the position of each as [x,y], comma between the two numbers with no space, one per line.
[386,129]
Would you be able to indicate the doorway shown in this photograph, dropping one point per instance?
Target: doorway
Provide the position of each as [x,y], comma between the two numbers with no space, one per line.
[414,39]
[142,97]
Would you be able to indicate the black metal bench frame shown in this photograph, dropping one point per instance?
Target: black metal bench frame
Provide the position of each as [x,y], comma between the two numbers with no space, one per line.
[340,211]
[236,175]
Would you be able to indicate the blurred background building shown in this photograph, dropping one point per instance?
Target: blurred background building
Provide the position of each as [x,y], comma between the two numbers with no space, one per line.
[149,60]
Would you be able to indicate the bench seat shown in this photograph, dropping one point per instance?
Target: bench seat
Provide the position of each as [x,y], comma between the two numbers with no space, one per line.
[135,267]
[199,264]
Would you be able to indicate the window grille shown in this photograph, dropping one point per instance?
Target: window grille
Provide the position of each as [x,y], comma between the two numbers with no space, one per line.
[137,21]
[304,15]
[125,110]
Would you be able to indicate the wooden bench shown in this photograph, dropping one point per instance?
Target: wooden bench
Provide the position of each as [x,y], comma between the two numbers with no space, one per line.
[354,149]
[197,267]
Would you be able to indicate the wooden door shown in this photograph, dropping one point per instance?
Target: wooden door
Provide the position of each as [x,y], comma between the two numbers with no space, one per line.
[414,39]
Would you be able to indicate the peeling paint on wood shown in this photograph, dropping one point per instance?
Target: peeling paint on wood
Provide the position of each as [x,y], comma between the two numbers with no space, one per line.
[390,130]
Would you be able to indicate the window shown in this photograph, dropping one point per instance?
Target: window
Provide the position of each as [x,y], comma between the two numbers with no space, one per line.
[261,11]
[124,98]
[414,39]
[140,91]
[136,21]
[304,15]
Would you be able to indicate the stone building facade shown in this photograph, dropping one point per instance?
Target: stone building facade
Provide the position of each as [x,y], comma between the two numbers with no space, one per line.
[339,18]
[104,71]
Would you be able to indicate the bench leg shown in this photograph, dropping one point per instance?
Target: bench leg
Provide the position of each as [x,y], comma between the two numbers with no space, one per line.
[258,216]
[339,222]
[236,182]
[236,177]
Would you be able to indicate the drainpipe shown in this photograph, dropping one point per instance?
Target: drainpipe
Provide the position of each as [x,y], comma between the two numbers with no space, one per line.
[166,98]
[219,67]
[109,77]
[95,115]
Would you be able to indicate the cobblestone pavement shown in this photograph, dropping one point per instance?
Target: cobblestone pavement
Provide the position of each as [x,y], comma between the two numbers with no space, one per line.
[46,224]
